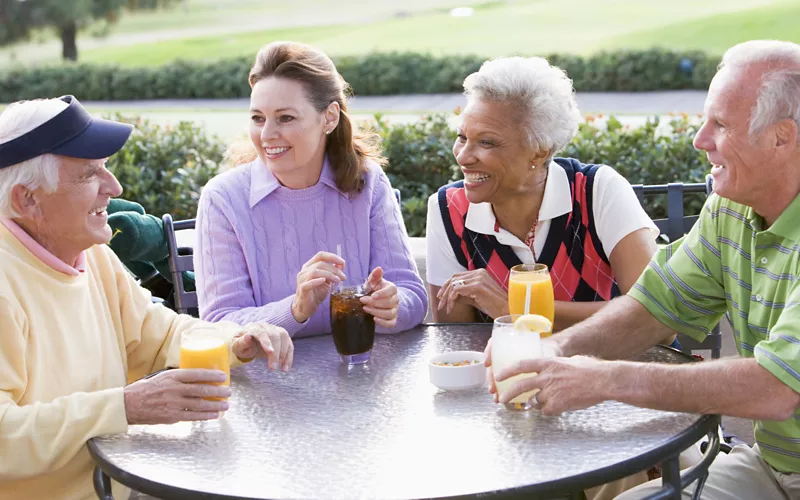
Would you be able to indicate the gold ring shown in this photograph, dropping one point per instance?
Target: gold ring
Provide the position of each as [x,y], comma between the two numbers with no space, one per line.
[458,282]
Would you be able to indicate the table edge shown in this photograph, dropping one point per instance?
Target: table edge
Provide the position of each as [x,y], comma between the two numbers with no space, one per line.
[672,447]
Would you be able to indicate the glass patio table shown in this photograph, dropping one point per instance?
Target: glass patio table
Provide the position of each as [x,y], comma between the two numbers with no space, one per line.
[382,430]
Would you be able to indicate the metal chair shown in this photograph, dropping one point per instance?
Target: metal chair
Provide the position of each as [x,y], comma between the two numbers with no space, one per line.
[675,226]
[184,301]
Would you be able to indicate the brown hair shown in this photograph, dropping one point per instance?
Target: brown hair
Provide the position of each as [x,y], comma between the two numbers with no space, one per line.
[346,147]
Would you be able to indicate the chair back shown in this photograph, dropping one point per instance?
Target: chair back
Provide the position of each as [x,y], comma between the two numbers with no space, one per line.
[676,224]
[674,227]
[180,260]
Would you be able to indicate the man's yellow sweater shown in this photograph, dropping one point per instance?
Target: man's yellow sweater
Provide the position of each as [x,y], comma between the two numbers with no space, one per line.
[68,345]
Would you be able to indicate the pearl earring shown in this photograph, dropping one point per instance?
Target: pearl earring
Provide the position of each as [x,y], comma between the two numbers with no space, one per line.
[533,167]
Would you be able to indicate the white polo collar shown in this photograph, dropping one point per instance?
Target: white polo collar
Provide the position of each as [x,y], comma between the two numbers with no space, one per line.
[557,201]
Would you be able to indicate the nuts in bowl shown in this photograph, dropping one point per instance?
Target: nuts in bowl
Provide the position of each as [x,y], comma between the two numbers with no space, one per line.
[457,370]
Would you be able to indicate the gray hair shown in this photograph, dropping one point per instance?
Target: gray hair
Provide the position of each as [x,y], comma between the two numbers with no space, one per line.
[40,172]
[779,95]
[543,92]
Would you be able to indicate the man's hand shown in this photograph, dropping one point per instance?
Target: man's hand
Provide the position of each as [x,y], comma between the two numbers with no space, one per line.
[176,396]
[270,341]
[564,384]
[550,349]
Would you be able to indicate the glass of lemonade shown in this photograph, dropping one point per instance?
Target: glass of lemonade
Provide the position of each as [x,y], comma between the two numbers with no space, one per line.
[511,344]
[203,347]
[537,277]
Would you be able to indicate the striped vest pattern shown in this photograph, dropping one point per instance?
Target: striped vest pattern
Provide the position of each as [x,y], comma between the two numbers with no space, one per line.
[579,268]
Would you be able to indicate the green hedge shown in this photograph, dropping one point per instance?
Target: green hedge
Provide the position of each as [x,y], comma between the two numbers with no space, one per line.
[165,168]
[373,74]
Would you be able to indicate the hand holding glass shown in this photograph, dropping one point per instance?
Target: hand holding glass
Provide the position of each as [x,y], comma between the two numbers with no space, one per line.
[511,344]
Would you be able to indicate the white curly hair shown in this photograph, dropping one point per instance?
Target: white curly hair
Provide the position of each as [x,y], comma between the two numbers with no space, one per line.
[779,95]
[543,92]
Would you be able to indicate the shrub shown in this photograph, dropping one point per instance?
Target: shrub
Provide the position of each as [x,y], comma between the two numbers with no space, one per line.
[654,153]
[419,153]
[164,168]
[372,74]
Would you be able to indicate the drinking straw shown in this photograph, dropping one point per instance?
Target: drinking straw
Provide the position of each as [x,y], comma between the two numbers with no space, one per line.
[528,297]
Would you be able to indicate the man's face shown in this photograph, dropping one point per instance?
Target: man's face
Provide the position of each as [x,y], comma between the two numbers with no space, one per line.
[742,166]
[74,217]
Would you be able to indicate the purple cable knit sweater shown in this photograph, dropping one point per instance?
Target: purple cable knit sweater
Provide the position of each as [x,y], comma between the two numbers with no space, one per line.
[254,235]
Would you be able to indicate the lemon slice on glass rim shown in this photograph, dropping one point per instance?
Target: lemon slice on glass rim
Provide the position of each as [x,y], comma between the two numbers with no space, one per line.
[533,323]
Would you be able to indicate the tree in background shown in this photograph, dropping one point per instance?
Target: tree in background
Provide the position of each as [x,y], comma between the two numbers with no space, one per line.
[18,18]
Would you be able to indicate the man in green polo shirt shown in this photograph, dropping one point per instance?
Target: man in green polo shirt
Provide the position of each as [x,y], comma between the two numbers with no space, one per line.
[742,260]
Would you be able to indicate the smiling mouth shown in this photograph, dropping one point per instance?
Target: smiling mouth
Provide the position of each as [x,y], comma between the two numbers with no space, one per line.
[276,151]
[476,177]
[100,212]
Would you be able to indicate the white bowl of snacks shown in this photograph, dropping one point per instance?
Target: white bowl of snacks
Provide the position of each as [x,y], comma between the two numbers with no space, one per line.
[457,370]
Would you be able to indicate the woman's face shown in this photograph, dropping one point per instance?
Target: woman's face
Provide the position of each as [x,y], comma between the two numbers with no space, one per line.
[493,152]
[287,131]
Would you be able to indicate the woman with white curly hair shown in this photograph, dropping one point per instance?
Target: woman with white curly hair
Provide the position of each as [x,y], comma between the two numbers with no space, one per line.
[520,204]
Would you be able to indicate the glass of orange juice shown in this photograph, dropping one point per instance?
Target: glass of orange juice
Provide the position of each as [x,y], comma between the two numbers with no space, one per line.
[203,347]
[535,277]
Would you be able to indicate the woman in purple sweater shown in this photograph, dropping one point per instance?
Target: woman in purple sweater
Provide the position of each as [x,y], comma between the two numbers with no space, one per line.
[268,230]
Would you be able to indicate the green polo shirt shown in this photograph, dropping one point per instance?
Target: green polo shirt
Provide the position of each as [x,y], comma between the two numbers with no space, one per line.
[730,264]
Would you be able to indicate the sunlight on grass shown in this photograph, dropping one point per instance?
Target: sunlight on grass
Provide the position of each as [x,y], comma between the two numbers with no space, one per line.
[716,33]
[207,48]
[527,27]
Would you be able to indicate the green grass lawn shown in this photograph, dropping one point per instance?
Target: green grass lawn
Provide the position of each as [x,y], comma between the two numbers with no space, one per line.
[715,33]
[204,18]
[214,13]
[197,13]
[508,27]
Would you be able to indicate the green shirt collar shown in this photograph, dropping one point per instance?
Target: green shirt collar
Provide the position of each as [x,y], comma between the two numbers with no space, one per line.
[787,224]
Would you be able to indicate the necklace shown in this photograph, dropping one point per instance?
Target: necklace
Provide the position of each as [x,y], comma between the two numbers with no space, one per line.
[530,239]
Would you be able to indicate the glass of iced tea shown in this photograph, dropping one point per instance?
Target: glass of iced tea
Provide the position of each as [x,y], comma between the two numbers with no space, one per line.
[353,329]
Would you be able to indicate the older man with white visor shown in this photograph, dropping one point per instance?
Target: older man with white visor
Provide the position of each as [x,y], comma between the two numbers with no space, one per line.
[78,333]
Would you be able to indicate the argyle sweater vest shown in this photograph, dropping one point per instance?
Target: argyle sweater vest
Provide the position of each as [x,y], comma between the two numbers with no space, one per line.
[579,268]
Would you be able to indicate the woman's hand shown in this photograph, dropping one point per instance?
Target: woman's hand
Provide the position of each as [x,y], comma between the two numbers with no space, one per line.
[269,341]
[384,302]
[314,282]
[476,287]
